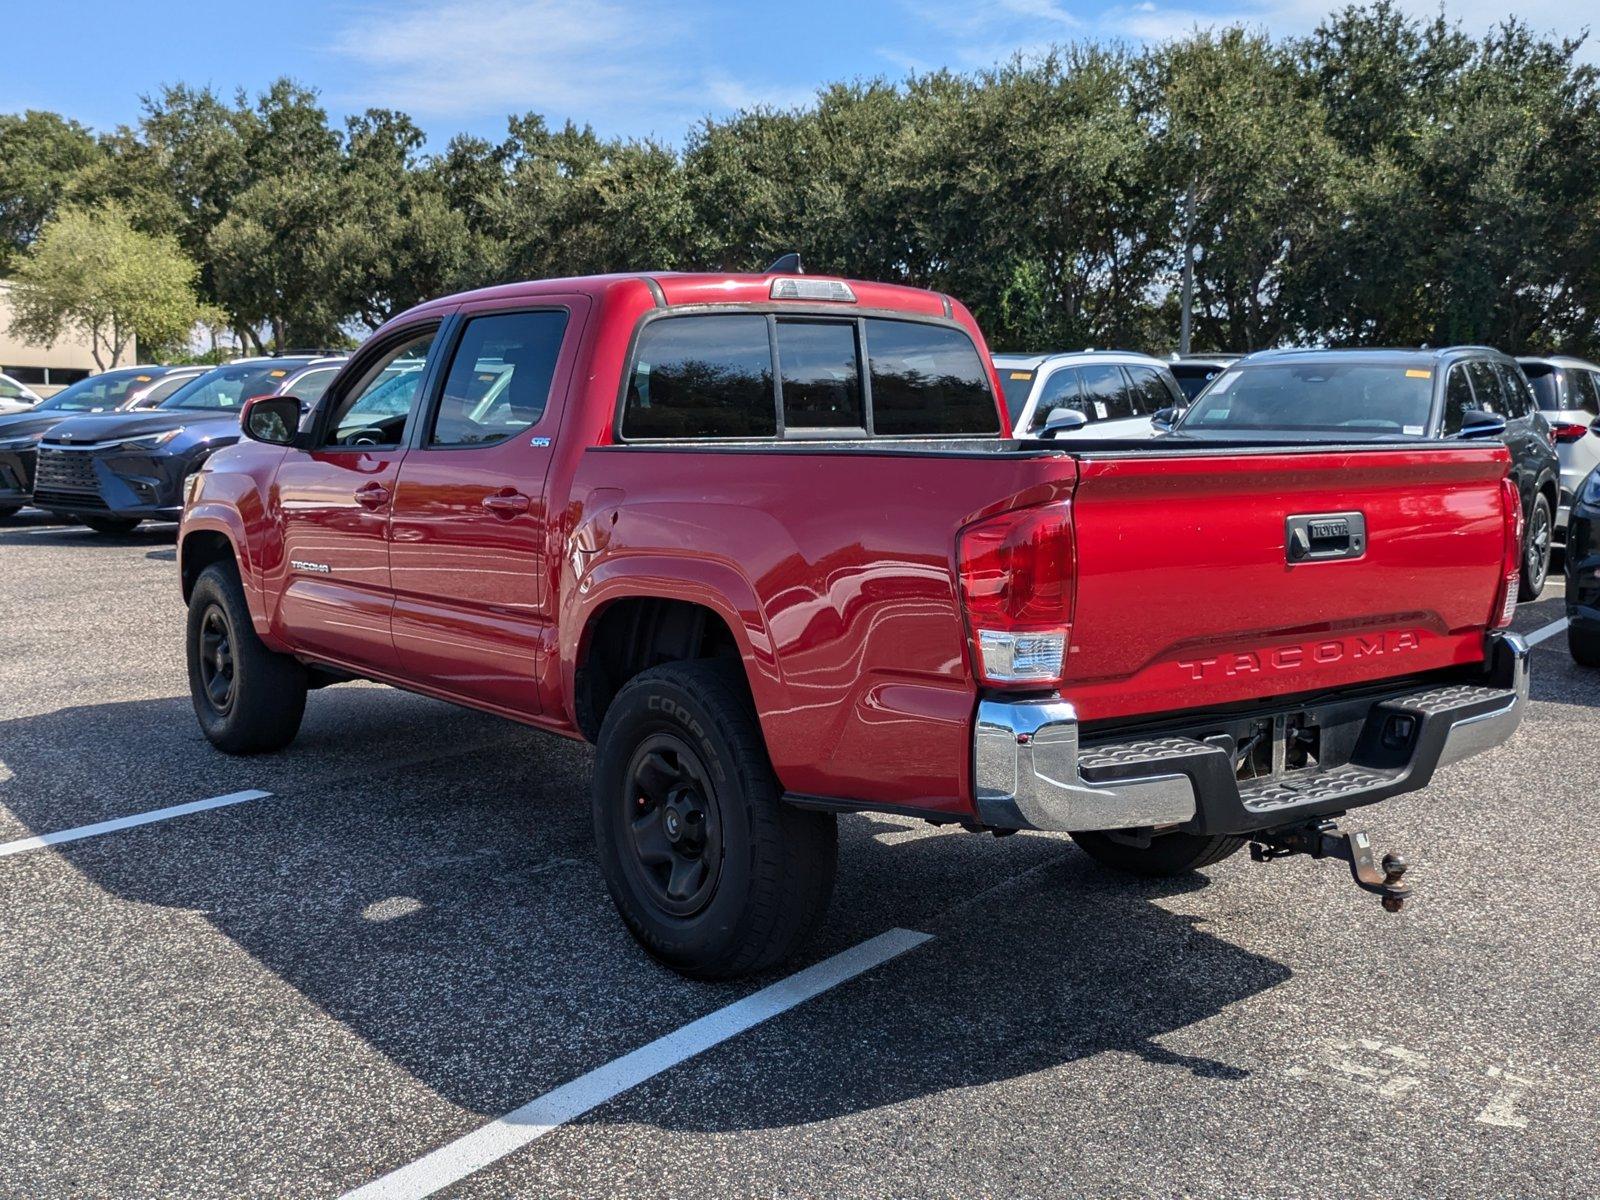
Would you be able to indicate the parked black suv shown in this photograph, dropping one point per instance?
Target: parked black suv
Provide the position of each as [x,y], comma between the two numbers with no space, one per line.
[1583,571]
[114,470]
[1351,395]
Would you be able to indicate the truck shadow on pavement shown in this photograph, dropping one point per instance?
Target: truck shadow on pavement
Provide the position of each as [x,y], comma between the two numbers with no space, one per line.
[449,913]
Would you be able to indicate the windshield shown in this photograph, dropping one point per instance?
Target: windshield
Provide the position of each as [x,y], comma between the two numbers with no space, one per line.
[11,390]
[1015,386]
[1378,398]
[227,388]
[98,393]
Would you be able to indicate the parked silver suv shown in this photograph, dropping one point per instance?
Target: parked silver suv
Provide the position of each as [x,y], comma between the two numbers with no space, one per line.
[1568,392]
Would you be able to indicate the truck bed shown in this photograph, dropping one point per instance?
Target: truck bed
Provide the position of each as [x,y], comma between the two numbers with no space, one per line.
[841,556]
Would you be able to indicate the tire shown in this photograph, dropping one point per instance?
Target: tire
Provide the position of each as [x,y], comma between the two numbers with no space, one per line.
[265,692]
[1536,549]
[741,887]
[1584,645]
[111,525]
[1167,854]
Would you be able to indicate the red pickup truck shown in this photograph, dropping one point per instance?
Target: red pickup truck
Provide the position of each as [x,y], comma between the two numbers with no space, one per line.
[760,540]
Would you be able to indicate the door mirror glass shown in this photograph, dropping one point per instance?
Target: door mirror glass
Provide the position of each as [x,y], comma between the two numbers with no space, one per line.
[271,419]
[1164,418]
[1475,423]
[1062,420]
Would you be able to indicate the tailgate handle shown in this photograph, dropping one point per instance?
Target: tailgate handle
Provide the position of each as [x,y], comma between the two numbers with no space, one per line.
[1325,537]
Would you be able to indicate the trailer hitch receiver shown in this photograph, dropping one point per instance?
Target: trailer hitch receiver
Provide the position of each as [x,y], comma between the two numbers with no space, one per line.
[1324,839]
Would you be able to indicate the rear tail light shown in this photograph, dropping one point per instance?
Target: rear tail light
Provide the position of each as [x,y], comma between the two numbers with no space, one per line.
[1567,432]
[1505,601]
[1016,588]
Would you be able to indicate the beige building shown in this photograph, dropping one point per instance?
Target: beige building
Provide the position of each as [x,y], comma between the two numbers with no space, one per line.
[44,369]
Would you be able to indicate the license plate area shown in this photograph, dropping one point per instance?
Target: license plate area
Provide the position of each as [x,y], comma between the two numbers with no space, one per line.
[1276,746]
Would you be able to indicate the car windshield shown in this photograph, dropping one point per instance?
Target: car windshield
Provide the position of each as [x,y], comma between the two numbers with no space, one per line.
[1376,398]
[1015,386]
[227,388]
[98,393]
[10,389]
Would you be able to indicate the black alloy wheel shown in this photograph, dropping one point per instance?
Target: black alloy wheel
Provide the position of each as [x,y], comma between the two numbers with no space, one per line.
[216,660]
[1536,550]
[672,826]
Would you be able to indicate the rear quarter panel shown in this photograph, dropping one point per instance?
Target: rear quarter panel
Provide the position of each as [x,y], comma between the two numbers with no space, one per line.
[836,574]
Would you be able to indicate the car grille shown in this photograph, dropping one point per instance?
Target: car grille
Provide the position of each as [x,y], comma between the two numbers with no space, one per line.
[67,476]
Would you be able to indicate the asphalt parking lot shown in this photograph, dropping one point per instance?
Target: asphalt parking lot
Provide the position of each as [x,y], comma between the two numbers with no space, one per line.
[406,938]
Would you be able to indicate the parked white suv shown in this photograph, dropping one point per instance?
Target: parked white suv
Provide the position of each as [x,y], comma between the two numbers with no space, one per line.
[1568,392]
[1115,392]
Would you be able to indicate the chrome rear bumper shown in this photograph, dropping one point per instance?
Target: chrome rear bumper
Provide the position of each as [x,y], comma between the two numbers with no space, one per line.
[1030,771]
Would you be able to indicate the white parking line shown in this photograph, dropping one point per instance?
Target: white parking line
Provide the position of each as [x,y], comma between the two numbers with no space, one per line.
[1548,632]
[489,1143]
[23,845]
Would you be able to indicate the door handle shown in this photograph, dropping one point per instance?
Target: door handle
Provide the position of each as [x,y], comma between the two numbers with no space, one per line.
[506,504]
[372,495]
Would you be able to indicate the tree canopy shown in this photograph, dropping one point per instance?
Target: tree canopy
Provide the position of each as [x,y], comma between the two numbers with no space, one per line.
[92,274]
[1384,179]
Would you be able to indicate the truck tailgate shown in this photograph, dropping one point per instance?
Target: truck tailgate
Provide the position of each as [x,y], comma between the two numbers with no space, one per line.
[1186,596]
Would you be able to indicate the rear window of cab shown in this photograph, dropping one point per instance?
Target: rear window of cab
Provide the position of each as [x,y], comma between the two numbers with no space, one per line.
[770,376]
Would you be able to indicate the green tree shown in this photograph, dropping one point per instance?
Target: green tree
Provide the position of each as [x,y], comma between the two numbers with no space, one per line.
[93,274]
[40,154]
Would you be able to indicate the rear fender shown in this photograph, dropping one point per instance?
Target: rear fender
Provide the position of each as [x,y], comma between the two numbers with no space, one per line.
[715,585]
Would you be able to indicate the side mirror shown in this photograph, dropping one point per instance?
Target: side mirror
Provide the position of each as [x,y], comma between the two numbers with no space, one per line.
[1164,418]
[1475,423]
[1062,420]
[271,419]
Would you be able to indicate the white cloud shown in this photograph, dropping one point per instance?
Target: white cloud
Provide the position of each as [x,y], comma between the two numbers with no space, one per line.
[593,60]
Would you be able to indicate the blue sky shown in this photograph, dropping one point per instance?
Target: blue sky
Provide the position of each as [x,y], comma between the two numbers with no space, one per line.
[630,67]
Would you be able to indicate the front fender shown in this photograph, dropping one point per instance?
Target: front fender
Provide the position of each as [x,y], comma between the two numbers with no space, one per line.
[224,504]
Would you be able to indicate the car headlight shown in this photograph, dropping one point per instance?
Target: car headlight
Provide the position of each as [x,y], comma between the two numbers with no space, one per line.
[1589,493]
[24,443]
[152,439]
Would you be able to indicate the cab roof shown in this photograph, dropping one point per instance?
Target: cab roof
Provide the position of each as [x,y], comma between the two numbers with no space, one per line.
[675,289]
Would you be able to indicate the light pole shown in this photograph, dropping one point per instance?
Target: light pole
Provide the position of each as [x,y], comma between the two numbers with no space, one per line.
[1186,317]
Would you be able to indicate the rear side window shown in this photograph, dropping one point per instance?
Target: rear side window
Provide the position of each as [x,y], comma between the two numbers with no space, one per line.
[821,375]
[1152,392]
[1486,387]
[702,377]
[1519,396]
[1546,381]
[927,379]
[1585,391]
[1106,392]
[499,379]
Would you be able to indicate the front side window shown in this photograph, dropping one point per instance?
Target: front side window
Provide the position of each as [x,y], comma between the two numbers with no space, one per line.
[373,412]
[820,375]
[702,377]
[310,386]
[927,379]
[499,378]
[1458,399]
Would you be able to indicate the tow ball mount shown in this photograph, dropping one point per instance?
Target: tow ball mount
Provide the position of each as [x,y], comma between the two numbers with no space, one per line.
[1324,839]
